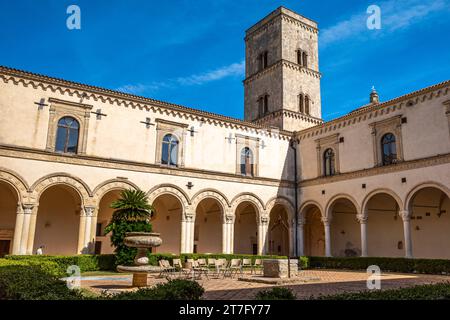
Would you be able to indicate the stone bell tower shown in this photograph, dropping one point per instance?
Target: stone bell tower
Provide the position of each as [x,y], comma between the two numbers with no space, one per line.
[282,85]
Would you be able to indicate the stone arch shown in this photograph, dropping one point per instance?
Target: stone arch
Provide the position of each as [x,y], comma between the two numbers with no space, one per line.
[307,204]
[214,194]
[429,184]
[47,181]
[337,197]
[171,189]
[110,185]
[250,197]
[284,202]
[16,182]
[377,191]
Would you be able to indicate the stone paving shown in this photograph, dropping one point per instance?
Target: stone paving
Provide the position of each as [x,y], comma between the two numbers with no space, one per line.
[331,282]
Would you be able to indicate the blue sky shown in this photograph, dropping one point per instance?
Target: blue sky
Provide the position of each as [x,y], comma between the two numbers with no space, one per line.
[192,52]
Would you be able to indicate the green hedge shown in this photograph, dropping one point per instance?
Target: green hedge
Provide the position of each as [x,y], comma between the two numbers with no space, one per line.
[85,262]
[173,290]
[438,291]
[277,293]
[404,265]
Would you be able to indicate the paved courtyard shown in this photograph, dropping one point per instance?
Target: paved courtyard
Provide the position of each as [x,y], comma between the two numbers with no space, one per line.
[324,282]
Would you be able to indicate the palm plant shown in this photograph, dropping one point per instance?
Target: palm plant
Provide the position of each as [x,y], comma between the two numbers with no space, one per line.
[132,214]
[132,206]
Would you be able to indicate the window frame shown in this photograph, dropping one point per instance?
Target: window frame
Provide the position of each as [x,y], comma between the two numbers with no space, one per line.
[179,131]
[388,159]
[170,145]
[380,129]
[67,132]
[61,108]
[329,155]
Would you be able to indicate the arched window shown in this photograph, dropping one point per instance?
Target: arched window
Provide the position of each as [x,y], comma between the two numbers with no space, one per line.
[328,162]
[301,103]
[389,149]
[246,162]
[305,59]
[67,135]
[299,57]
[169,150]
[307,105]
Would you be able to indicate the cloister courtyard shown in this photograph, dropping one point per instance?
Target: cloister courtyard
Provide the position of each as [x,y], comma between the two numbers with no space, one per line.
[309,283]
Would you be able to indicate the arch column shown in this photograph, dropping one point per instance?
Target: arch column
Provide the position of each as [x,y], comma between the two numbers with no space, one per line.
[263,226]
[327,224]
[362,219]
[187,232]
[404,214]
[228,234]
[300,237]
[24,229]
[85,239]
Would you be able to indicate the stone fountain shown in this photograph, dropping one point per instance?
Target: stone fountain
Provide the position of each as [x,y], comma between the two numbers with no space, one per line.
[142,241]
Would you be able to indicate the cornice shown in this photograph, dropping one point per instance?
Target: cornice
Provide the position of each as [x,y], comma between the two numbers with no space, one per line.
[375,110]
[118,164]
[282,63]
[400,166]
[280,13]
[88,92]
[289,114]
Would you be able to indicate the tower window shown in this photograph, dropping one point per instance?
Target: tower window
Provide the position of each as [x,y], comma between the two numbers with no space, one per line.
[305,59]
[307,105]
[263,105]
[263,60]
[389,149]
[299,57]
[301,103]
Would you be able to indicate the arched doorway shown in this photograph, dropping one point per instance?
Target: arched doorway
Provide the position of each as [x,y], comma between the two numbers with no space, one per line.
[58,220]
[345,229]
[104,215]
[314,233]
[167,221]
[8,212]
[278,231]
[385,236]
[429,208]
[208,227]
[246,229]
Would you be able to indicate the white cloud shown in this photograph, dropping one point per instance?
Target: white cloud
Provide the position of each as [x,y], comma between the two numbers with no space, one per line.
[234,69]
[394,15]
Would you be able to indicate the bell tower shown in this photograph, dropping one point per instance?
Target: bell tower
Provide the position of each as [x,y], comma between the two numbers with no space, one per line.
[282,85]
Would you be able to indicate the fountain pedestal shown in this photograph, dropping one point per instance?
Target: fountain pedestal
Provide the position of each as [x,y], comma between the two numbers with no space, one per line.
[142,241]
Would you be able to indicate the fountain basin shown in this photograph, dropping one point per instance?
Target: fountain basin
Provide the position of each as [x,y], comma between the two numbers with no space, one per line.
[142,240]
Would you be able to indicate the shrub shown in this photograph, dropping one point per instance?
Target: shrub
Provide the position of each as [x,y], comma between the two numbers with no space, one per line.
[404,265]
[172,290]
[85,262]
[423,292]
[277,293]
[32,282]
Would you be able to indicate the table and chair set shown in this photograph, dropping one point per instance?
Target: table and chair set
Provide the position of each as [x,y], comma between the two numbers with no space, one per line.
[208,268]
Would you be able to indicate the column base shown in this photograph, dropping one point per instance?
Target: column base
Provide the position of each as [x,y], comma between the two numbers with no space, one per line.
[139,280]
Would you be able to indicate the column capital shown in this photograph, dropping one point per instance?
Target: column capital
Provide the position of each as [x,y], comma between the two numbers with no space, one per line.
[326,221]
[264,220]
[229,219]
[362,218]
[404,214]
[188,217]
[28,208]
[88,211]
